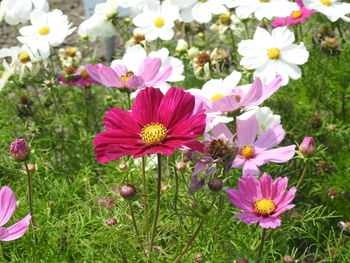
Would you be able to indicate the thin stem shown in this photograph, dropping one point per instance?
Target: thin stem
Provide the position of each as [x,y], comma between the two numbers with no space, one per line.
[301,179]
[129,100]
[30,192]
[176,197]
[261,244]
[189,242]
[145,200]
[154,227]
[134,223]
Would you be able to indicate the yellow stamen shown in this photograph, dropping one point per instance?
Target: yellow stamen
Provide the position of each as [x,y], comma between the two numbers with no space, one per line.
[159,22]
[127,76]
[225,19]
[273,53]
[247,151]
[264,206]
[153,133]
[84,74]
[326,2]
[202,1]
[296,14]
[264,1]
[44,30]
[216,97]
[24,57]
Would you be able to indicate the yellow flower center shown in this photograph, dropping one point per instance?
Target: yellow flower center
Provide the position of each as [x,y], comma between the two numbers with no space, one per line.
[264,206]
[247,151]
[264,1]
[159,22]
[326,2]
[84,74]
[24,57]
[71,52]
[202,1]
[127,76]
[216,97]
[273,53]
[225,19]
[153,133]
[297,14]
[44,30]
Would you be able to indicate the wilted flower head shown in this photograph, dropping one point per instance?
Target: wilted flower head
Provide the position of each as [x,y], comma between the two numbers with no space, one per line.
[330,46]
[19,150]
[263,200]
[308,146]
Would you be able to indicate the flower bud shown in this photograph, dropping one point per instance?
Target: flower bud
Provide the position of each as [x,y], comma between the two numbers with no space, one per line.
[19,150]
[123,166]
[288,259]
[127,191]
[181,46]
[181,166]
[215,184]
[31,167]
[111,221]
[192,204]
[308,146]
[199,258]
[242,260]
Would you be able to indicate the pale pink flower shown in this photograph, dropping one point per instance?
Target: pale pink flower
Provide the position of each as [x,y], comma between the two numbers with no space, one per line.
[254,152]
[263,199]
[149,73]
[7,208]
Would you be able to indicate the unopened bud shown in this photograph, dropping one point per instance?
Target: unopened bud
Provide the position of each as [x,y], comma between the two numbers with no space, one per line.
[31,167]
[19,150]
[127,191]
[192,204]
[242,260]
[123,166]
[111,221]
[199,258]
[215,184]
[308,146]
[181,46]
[288,259]
[181,166]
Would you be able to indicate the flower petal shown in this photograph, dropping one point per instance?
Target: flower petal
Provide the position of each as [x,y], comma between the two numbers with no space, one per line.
[7,204]
[17,230]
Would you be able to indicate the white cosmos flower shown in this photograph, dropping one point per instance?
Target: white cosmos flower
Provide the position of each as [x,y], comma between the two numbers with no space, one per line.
[157,20]
[18,11]
[99,25]
[333,9]
[264,8]
[5,74]
[200,10]
[215,89]
[47,30]
[264,116]
[273,54]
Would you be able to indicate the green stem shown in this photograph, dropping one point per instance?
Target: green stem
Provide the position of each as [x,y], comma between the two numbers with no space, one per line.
[134,223]
[176,197]
[129,100]
[145,200]
[301,179]
[189,242]
[154,227]
[30,192]
[261,244]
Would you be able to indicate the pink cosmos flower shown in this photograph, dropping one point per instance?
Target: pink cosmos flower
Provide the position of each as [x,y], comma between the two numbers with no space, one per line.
[263,199]
[254,152]
[242,96]
[79,77]
[149,74]
[7,207]
[157,123]
[295,17]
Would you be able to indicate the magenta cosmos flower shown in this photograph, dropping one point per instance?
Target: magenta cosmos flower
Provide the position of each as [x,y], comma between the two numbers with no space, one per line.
[80,77]
[7,208]
[295,17]
[149,73]
[263,199]
[254,152]
[157,123]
